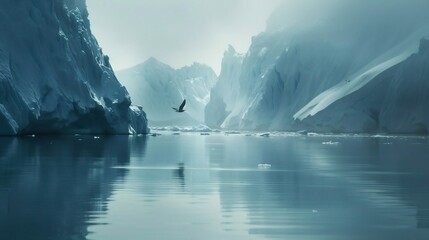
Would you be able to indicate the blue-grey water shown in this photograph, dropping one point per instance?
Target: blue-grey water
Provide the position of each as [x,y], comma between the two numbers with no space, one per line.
[213,187]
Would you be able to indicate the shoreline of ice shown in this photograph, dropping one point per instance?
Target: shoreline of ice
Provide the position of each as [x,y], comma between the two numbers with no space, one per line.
[204,130]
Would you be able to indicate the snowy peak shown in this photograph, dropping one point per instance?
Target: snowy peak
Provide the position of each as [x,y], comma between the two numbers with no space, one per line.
[230,52]
[198,71]
[223,96]
[152,66]
[158,87]
[152,62]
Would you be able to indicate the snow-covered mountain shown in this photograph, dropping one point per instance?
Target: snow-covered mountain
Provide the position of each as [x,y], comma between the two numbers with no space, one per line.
[54,77]
[158,87]
[395,101]
[223,95]
[307,69]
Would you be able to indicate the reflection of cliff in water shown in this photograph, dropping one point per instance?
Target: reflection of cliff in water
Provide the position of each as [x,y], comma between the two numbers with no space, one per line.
[332,188]
[410,157]
[394,169]
[52,187]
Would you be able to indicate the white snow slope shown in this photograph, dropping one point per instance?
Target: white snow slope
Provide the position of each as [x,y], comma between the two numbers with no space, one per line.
[158,87]
[297,72]
[54,77]
[395,101]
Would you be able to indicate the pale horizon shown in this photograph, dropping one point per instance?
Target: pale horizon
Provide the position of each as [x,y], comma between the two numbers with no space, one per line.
[176,33]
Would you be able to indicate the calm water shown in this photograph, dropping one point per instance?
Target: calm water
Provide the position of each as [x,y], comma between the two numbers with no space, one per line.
[210,187]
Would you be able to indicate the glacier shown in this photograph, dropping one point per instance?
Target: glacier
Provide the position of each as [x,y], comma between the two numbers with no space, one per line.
[223,94]
[54,77]
[159,87]
[395,101]
[329,69]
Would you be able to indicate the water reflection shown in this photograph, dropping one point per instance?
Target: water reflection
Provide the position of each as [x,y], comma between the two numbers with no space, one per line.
[210,187]
[360,189]
[50,188]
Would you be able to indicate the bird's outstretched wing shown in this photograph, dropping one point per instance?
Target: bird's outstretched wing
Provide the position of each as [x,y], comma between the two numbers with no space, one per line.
[182,105]
[175,109]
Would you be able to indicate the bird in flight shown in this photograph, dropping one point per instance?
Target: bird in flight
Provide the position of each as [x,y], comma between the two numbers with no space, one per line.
[181,107]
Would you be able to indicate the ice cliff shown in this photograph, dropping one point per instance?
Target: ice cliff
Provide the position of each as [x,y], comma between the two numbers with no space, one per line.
[54,77]
[337,66]
[158,87]
[223,95]
[395,101]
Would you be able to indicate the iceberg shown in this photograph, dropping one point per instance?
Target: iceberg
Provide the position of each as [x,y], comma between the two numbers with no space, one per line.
[198,128]
[54,77]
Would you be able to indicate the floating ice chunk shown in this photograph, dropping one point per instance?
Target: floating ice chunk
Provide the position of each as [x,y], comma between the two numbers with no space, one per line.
[314,211]
[313,134]
[330,143]
[198,128]
[160,129]
[303,132]
[201,128]
[96,137]
[232,132]
[264,165]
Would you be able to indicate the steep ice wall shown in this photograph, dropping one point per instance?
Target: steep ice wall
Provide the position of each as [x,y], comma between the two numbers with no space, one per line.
[305,62]
[223,95]
[54,77]
[396,101]
[158,87]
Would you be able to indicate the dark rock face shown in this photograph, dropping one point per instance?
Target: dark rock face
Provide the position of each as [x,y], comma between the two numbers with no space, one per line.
[54,77]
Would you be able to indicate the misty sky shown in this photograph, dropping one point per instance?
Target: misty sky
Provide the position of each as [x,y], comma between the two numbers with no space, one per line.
[176,32]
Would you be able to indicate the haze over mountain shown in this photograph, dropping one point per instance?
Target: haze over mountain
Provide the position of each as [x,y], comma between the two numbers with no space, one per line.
[177,33]
[158,87]
[318,66]
[321,65]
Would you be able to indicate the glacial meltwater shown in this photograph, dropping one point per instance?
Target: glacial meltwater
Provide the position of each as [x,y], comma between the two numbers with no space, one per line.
[218,186]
